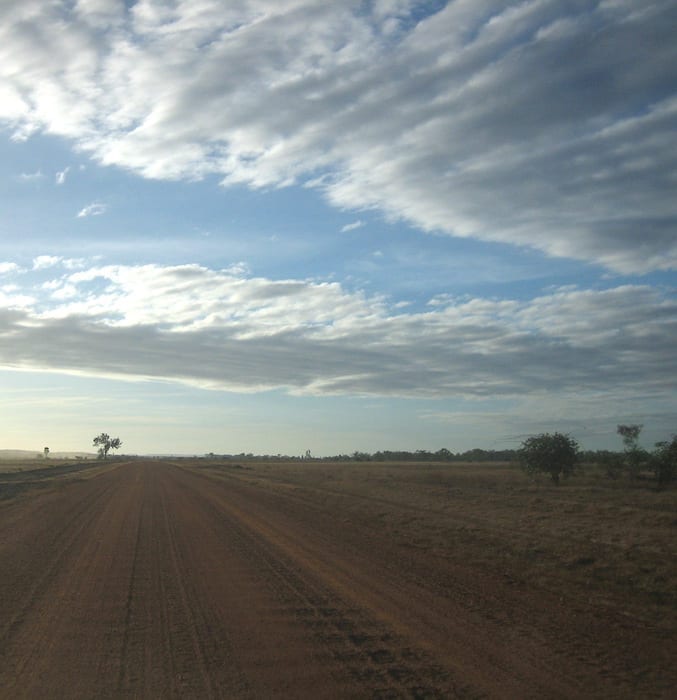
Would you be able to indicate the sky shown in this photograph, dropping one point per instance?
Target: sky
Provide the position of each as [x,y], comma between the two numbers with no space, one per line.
[274,226]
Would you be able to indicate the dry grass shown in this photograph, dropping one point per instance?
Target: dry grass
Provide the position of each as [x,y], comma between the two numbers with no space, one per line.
[23,476]
[590,539]
[9,466]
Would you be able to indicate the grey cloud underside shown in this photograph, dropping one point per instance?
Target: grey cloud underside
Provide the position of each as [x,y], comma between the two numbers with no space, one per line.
[570,341]
[544,124]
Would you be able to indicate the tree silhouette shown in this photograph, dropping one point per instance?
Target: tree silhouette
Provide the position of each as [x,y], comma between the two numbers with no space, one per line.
[105,443]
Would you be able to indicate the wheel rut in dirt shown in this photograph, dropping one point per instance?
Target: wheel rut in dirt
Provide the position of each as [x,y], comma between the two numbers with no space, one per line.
[347,644]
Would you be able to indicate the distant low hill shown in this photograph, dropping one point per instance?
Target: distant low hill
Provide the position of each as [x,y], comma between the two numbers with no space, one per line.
[33,454]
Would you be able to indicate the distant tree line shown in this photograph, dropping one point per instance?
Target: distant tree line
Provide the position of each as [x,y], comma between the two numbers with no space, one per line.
[554,454]
[445,455]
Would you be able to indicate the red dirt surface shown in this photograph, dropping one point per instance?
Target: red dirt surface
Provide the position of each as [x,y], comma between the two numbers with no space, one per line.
[156,580]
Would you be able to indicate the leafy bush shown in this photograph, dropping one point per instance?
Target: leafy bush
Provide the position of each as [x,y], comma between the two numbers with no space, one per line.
[554,454]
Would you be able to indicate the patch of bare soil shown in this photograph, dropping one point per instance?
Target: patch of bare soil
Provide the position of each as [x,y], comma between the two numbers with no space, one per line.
[219,580]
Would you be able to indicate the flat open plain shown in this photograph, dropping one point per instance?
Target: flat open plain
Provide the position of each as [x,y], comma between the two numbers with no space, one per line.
[207,579]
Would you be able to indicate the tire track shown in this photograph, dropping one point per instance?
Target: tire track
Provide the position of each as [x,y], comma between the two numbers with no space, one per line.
[125,649]
[360,650]
[194,630]
[466,624]
[174,645]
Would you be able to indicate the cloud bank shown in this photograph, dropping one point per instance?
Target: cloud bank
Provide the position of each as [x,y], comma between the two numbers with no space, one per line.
[541,124]
[221,329]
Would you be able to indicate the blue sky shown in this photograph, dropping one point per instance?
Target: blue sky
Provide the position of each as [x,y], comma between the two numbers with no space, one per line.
[277,226]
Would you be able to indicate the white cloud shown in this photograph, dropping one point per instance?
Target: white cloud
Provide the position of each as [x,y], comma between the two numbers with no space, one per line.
[64,291]
[353,226]
[43,262]
[60,178]
[30,177]
[93,209]
[100,13]
[540,124]
[8,267]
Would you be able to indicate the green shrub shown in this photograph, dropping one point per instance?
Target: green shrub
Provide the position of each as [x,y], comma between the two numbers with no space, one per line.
[554,454]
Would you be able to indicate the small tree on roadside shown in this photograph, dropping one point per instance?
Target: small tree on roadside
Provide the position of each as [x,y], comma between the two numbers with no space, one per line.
[549,453]
[635,456]
[105,443]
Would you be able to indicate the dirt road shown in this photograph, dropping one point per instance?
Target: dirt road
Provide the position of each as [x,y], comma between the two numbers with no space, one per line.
[151,580]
